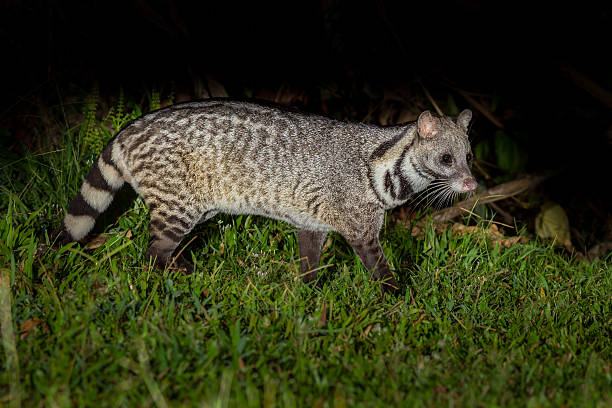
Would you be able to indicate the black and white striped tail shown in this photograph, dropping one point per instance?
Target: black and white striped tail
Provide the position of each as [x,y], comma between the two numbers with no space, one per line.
[95,195]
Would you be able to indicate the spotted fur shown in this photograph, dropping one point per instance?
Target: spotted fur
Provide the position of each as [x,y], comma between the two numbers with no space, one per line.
[193,160]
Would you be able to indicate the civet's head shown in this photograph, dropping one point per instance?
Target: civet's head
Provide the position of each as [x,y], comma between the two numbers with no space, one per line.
[442,153]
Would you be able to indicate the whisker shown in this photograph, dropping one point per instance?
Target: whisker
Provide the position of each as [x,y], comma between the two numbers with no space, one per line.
[433,192]
[444,199]
[437,194]
[425,199]
[448,197]
[429,189]
[439,199]
[444,196]
[438,183]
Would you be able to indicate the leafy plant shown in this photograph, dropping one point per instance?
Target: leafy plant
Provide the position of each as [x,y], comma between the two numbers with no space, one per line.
[90,131]
[118,115]
[509,156]
[481,150]
[155,101]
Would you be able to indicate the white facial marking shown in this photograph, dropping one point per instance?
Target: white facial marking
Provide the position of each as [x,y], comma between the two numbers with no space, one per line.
[418,183]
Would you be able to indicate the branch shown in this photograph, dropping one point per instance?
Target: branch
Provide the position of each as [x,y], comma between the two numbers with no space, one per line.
[588,85]
[481,108]
[499,192]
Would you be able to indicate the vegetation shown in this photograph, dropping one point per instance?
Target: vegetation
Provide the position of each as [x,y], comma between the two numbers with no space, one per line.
[478,325]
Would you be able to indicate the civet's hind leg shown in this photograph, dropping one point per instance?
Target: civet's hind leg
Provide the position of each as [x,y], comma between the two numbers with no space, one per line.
[310,243]
[166,234]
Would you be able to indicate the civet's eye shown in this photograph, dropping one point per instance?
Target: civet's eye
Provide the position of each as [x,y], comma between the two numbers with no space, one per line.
[469,157]
[447,159]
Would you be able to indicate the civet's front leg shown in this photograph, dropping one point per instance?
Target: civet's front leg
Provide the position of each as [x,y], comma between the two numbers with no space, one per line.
[361,232]
[310,243]
[371,254]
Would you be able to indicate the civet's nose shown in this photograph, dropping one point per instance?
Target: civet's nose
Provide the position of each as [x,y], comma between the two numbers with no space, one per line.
[469,184]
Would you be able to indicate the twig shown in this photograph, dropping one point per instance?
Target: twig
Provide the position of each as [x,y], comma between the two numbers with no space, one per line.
[472,213]
[481,108]
[301,275]
[588,85]
[482,170]
[431,99]
[503,213]
[181,251]
[499,192]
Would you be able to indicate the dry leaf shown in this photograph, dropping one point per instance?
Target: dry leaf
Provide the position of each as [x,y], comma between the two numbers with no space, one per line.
[163,373]
[29,325]
[460,229]
[510,242]
[327,244]
[367,331]
[418,230]
[552,223]
[322,317]
[492,233]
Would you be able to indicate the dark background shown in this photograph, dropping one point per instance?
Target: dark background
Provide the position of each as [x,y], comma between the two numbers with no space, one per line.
[533,58]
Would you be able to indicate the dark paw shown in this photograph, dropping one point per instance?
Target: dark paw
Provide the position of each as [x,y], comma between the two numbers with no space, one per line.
[182,264]
[311,279]
[59,237]
[308,277]
[175,263]
[390,286]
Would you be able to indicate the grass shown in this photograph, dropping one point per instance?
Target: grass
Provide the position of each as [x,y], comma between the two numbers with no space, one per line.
[477,326]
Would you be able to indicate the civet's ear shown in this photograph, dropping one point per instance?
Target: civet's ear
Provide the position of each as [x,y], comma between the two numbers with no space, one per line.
[463,120]
[427,125]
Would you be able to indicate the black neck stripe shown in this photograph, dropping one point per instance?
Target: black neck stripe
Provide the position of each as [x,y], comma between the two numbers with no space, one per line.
[387,145]
[417,169]
[405,188]
[389,187]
